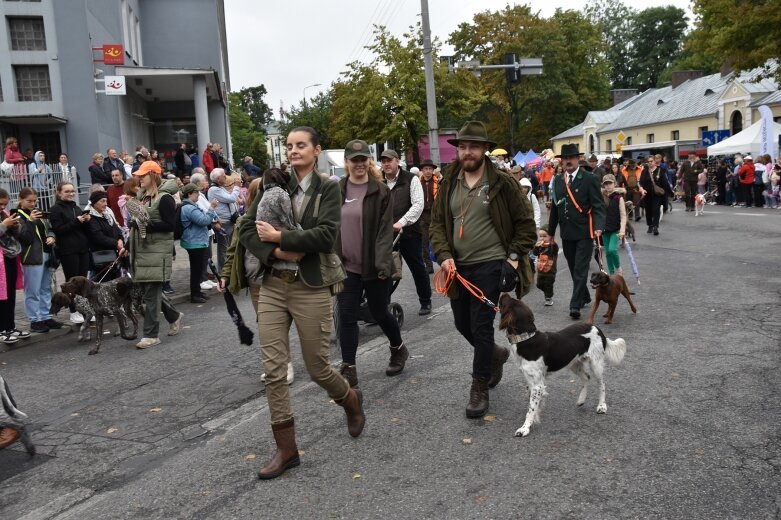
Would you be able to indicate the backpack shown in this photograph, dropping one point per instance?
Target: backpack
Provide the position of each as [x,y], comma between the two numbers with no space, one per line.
[178,226]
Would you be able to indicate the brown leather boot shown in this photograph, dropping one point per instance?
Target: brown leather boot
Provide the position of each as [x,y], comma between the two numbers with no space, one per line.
[478,399]
[501,355]
[350,373]
[8,436]
[286,456]
[353,408]
[398,359]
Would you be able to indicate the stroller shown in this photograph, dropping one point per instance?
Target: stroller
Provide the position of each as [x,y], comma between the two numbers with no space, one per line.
[396,310]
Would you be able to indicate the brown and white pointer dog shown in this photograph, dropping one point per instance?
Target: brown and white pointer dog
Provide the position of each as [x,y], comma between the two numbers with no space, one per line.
[608,289]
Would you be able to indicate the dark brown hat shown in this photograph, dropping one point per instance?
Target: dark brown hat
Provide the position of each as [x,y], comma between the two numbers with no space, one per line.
[390,154]
[357,148]
[472,131]
[569,150]
[593,158]
[427,162]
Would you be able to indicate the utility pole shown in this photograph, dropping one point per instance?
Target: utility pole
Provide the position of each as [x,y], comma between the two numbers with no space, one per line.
[431,98]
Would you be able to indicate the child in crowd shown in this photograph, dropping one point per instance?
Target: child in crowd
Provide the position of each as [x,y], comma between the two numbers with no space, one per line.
[547,251]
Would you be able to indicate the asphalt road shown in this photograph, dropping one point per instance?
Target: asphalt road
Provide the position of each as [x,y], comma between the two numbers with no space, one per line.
[177,431]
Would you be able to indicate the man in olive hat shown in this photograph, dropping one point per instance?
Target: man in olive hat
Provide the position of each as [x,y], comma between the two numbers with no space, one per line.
[407,205]
[482,226]
[576,206]
[596,169]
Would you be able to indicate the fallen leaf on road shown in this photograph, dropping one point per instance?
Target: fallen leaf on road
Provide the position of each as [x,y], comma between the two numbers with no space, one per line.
[394,420]
[356,476]
[186,327]
[571,380]
[480,499]
[699,451]
[156,410]
[301,452]
[489,418]
[205,493]
[413,381]
[467,440]
[676,375]
[331,402]
[608,460]
[74,414]
[251,456]
[112,430]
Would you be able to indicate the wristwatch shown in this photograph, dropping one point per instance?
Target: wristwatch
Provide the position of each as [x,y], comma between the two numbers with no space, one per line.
[514,257]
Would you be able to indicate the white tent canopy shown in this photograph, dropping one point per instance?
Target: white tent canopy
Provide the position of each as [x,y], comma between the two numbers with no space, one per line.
[747,141]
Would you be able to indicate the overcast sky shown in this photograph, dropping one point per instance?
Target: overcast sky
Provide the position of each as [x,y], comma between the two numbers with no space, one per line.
[288,46]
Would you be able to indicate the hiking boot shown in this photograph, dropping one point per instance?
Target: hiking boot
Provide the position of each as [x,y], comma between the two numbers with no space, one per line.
[398,359]
[353,409]
[286,454]
[424,309]
[147,342]
[197,299]
[574,314]
[8,436]
[478,399]
[349,373]
[656,230]
[501,355]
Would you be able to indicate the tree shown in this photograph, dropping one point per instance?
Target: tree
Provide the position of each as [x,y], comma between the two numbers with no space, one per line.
[574,78]
[245,139]
[741,31]
[658,33]
[615,22]
[315,113]
[385,100]
[250,99]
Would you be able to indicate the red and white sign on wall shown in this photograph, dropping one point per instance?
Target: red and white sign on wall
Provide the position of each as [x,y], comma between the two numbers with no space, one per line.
[113,54]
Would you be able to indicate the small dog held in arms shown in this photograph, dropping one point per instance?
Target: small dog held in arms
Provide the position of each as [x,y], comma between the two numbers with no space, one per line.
[104,299]
[608,289]
[581,347]
[12,421]
[699,204]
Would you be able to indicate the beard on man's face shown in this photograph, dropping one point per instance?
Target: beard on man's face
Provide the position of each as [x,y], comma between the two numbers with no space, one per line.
[472,164]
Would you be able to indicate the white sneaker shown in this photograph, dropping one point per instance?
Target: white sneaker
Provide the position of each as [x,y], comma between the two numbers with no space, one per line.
[8,337]
[548,302]
[290,375]
[148,342]
[77,318]
[207,285]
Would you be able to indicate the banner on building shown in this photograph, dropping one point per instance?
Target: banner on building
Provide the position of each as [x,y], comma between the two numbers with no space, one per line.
[113,54]
[115,85]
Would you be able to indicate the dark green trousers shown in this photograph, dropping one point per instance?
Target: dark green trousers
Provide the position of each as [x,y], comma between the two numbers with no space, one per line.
[578,254]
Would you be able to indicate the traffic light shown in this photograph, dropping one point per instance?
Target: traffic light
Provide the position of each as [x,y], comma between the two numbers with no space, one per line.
[513,74]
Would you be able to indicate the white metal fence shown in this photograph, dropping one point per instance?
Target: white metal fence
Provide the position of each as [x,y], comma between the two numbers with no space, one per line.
[43,179]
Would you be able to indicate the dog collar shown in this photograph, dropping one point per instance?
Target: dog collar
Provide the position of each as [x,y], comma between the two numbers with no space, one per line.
[519,338]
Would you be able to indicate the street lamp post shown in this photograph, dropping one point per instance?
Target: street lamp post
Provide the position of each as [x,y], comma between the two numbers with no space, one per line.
[309,86]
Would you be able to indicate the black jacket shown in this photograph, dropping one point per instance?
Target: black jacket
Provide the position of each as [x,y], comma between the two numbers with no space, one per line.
[660,179]
[103,234]
[71,234]
[110,165]
[33,244]
[564,214]
[377,230]
[98,176]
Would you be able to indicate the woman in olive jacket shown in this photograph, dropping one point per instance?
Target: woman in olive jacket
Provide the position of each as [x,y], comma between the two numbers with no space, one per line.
[364,244]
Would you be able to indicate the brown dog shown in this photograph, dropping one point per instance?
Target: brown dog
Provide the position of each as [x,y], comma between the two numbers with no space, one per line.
[608,288]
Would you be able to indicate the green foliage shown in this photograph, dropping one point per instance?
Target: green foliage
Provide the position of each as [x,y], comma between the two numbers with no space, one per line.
[744,32]
[642,46]
[385,100]
[316,113]
[574,78]
[245,139]
[251,101]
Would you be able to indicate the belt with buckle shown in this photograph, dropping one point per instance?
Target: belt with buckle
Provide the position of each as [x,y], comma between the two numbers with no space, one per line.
[286,275]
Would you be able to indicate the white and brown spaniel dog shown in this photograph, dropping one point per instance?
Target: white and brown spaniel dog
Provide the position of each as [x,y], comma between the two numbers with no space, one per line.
[581,347]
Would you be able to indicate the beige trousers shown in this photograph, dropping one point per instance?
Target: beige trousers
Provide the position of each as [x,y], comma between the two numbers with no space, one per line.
[279,305]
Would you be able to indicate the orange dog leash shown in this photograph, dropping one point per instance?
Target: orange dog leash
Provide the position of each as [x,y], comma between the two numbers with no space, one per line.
[444,280]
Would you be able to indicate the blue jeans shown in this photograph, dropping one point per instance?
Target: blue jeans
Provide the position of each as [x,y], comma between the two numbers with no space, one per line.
[37,291]
[730,196]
